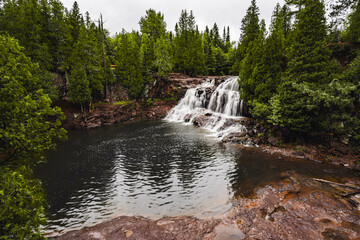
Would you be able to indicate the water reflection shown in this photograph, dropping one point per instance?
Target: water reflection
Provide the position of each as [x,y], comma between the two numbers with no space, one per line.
[152,169]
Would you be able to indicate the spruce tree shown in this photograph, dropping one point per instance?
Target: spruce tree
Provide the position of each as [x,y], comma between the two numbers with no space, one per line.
[309,68]
[147,57]
[189,54]
[163,61]
[153,24]
[267,72]
[250,29]
[352,33]
[79,90]
[309,56]
[128,63]
[253,56]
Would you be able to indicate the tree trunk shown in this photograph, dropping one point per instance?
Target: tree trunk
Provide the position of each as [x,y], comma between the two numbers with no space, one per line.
[106,87]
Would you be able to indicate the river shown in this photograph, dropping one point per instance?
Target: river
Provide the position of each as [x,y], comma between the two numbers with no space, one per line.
[155,169]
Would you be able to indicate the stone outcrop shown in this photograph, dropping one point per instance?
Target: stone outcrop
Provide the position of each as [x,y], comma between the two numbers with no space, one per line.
[298,208]
[107,114]
[176,85]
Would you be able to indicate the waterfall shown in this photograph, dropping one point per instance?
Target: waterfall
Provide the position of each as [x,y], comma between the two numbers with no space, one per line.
[218,109]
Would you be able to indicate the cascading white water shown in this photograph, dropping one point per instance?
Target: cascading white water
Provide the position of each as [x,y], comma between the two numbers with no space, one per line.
[219,112]
[226,99]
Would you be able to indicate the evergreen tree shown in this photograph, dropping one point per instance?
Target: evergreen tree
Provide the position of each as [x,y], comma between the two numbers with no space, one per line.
[57,33]
[153,24]
[253,56]
[267,72]
[250,29]
[309,68]
[28,21]
[189,54]
[228,35]
[309,56]
[79,90]
[352,76]
[352,33]
[147,57]
[285,13]
[74,23]
[163,61]
[128,63]
[216,40]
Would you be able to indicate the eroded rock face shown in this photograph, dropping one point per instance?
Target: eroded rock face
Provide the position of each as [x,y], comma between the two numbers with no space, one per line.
[106,115]
[176,85]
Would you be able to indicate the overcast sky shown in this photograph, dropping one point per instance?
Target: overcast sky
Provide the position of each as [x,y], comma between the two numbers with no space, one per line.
[126,14]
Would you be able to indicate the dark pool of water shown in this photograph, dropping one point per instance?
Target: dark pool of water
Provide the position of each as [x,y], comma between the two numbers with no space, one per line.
[154,169]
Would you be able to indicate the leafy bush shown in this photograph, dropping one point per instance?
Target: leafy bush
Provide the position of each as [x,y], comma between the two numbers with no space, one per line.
[21,205]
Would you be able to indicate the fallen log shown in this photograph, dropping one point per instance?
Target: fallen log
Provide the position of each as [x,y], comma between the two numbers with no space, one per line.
[337,184]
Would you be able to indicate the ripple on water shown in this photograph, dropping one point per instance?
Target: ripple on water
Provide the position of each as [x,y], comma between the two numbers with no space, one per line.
[153,169]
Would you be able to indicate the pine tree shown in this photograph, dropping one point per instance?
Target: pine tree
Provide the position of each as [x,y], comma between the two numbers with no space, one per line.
[352,33]
[75,21]
[268,70]
[58,34]
[163,61]
[147,57]
[128,63]
[285,13]
[309,56]
[272,65]
[248,70]
[308,70]
[216,40]
[250,29]
[154,27]
[153,24]
[189,54]
[228,35]
[79,90]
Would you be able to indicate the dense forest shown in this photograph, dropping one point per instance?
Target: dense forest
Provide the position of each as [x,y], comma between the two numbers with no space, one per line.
[301,73]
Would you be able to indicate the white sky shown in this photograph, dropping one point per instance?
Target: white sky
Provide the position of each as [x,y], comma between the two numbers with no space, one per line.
[118,14]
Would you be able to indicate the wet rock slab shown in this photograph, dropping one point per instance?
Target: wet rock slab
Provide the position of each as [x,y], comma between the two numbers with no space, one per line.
[296,207]
[141,228]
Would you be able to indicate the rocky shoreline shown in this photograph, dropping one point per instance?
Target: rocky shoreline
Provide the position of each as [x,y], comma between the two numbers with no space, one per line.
[294,208]
[318,148]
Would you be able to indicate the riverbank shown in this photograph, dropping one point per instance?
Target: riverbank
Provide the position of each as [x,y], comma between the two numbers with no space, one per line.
[316,147]
[294,208]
